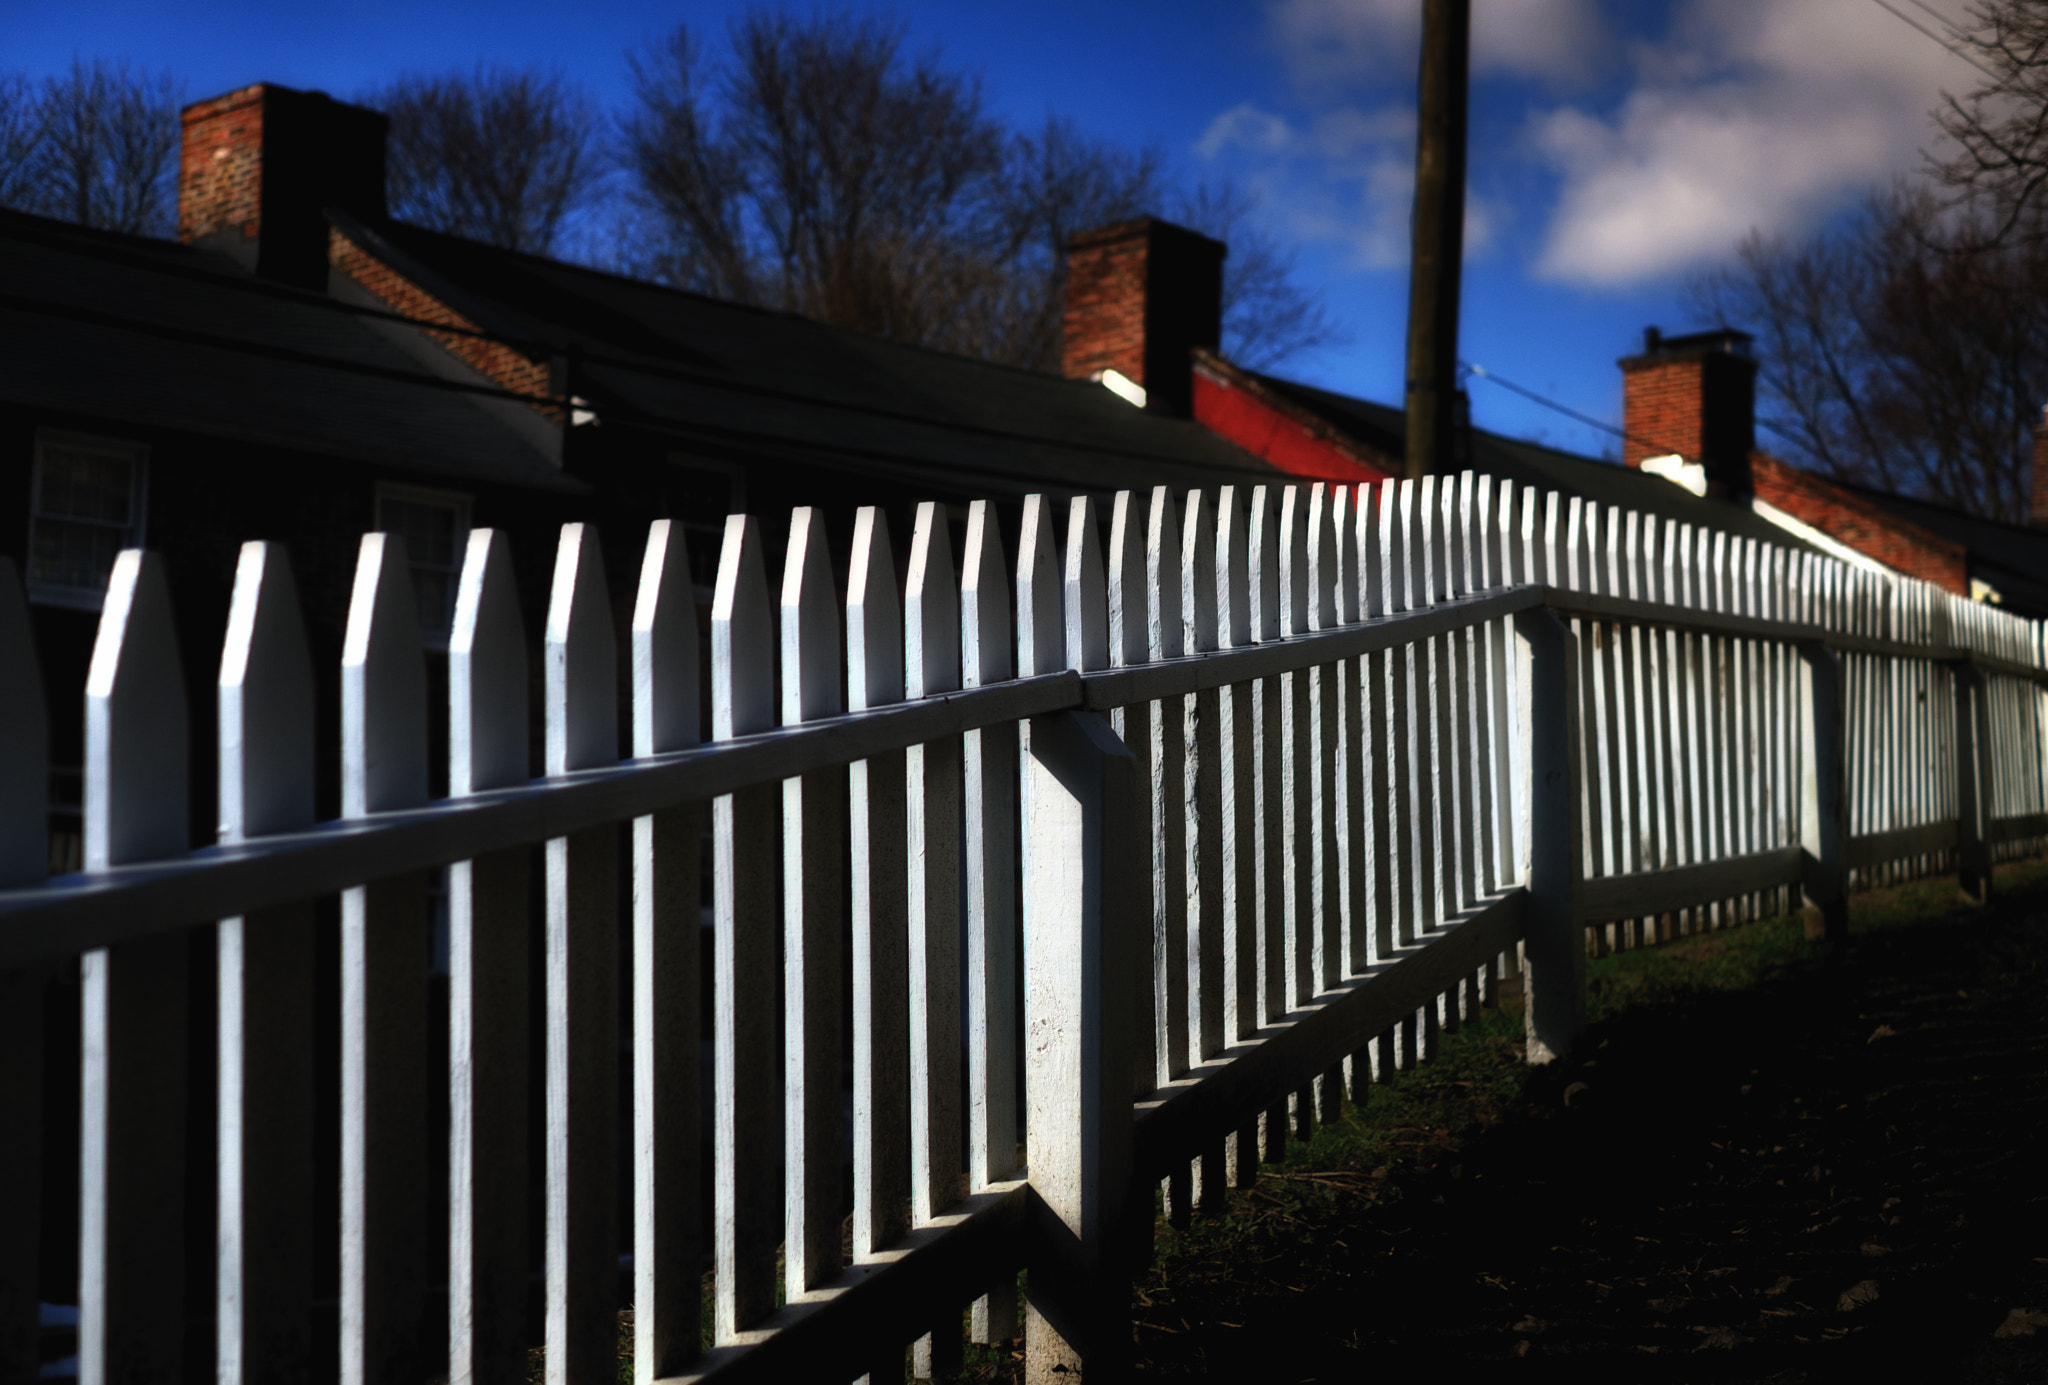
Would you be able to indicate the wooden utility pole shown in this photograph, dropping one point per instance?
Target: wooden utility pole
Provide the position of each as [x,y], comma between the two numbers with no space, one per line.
[1439,235]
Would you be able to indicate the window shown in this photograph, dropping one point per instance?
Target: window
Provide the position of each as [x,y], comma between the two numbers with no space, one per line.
[435,527]
[699,497]
[85,506]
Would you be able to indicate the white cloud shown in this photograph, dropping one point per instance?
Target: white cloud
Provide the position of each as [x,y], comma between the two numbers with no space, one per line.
[1334,40]
[1345,177]
[1766,114]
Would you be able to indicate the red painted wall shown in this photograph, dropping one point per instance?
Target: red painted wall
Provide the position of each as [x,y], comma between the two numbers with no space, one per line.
[1266,432]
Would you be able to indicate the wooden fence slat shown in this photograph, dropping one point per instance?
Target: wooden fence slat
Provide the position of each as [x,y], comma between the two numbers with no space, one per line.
[932,779]
[877,800]
[1202,809]
[746,850]
[1378,752]
[24,852]
[1166,759]
[1130,646]
[1262,559]
[1326,894]
[1298,775]
[1406,858]
[581,929]
[1204,787]
[990,794]
[1166,634]
[1441,714]
[263,1281]
[385,935]
[488,945]
[133,997]
[1354,869]
[885,1192]
[813,826]
[1237,790]
[668,1230]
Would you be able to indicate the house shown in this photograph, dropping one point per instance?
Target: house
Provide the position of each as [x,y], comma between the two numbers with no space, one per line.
[1689,418]
[299,367]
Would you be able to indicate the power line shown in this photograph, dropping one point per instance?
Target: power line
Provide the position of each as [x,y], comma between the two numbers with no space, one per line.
[1483,373]
[1905,18]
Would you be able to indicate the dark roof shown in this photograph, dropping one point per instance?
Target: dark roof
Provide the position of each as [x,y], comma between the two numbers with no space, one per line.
[1532,464]
[163,335]
[751,384]
[2013,558]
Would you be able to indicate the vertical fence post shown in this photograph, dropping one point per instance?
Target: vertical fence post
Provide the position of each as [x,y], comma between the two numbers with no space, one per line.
[131,1186]
[1081,903]
[263,1278]
[1547,720]
[24,852]
[1973,774]
[667,941]
[489,747]
[1823,820]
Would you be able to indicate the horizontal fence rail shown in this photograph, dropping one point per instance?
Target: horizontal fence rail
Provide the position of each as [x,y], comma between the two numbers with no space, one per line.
[1246,794]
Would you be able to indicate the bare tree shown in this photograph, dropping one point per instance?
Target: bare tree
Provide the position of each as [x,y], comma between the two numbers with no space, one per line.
[21,141]
[1890,361]
[2001,127]
[814,165]
[97,146]
[818,169]
[1267,315]
[506,156]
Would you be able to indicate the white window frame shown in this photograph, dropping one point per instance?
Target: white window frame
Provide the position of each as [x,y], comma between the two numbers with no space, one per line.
[434,639]
[137,453]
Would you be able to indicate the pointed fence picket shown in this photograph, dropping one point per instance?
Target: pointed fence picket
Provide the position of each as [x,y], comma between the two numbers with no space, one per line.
[265,1016]
[1290,778]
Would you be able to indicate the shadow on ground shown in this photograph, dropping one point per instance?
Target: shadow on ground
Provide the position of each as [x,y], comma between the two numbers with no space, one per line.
[1837,1174]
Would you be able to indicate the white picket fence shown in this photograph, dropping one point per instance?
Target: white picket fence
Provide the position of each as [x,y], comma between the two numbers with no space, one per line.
[1262,790]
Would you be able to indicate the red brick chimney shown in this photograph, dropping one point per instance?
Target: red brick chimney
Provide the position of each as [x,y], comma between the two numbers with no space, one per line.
[1141,297]
[261,165]
[2037,497]
[1694,396]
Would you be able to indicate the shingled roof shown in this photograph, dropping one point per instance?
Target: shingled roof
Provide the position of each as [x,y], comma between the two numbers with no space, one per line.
[165,335]
[754,385]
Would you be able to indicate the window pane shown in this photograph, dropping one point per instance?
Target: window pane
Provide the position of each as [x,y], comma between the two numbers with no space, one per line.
[435,593]
[81,483]
[429,531]
[69,554]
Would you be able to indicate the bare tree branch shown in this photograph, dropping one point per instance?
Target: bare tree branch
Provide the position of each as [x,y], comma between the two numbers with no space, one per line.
[97,146]
[1888,360]
[506,156]
[814,165]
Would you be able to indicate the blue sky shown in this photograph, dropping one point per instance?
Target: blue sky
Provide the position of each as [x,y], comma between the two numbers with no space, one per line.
[1616,147]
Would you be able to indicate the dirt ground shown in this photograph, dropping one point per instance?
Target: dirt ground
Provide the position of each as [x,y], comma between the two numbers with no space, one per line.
[1833,1173]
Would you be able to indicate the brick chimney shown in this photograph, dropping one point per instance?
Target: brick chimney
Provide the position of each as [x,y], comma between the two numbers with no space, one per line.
[261,165]
[2037,496]
[1694,396]
[1141,296]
